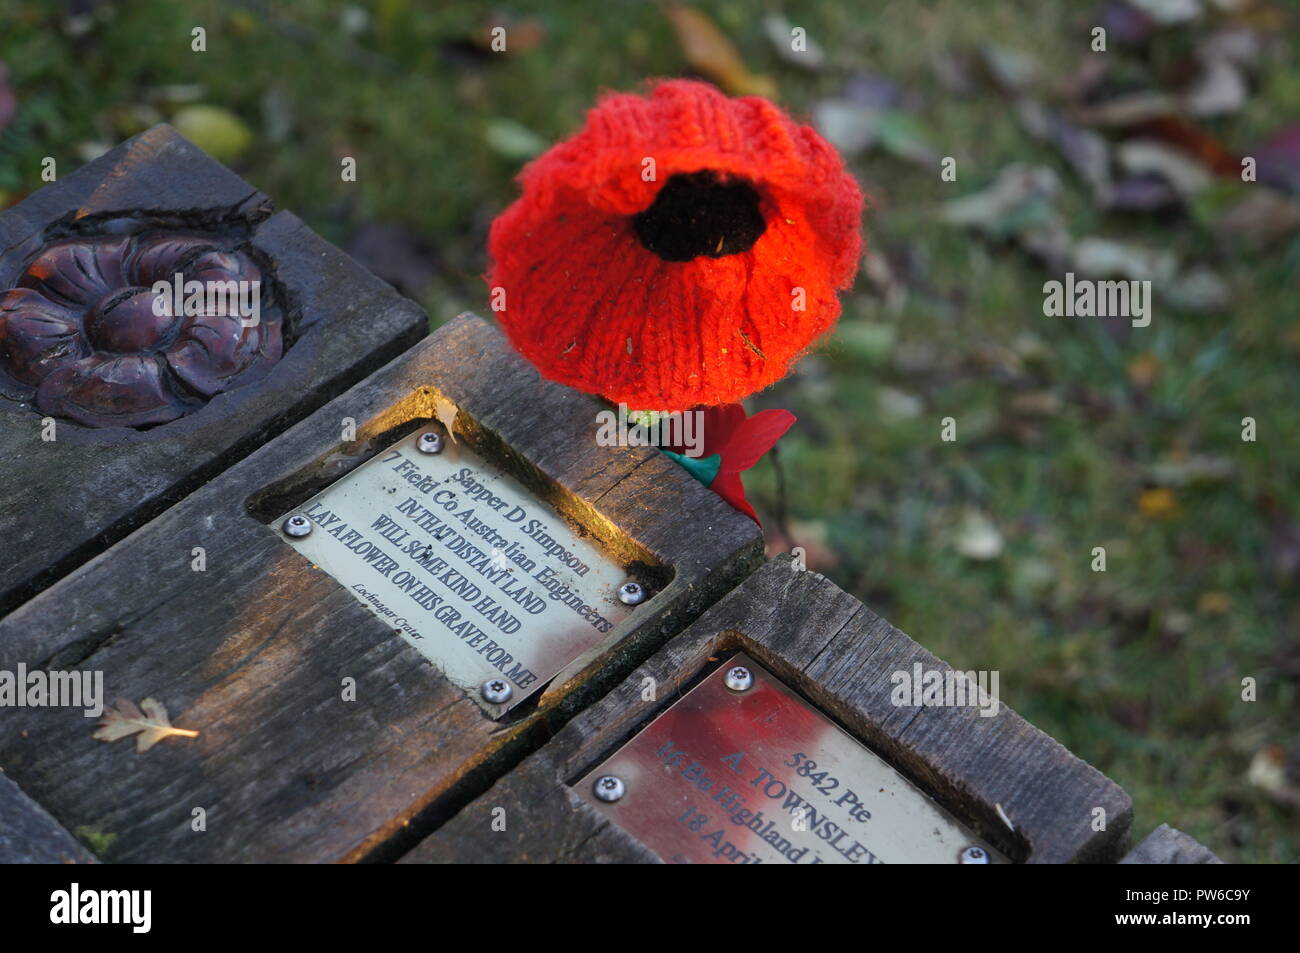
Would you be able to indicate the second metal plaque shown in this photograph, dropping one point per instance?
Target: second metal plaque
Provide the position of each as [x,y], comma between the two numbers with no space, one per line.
[742,771]
[487,581]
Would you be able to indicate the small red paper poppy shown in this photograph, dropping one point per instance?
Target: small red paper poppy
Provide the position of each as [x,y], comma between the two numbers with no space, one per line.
[733,442]
[680,250]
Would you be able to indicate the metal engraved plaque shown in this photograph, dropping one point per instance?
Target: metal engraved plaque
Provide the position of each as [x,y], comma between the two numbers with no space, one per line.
[487,581]
[740,770]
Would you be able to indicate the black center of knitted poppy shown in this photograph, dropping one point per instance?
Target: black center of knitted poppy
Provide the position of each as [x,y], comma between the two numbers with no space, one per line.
[698,213]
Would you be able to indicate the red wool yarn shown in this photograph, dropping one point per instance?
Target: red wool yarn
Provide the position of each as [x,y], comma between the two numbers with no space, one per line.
[680,250]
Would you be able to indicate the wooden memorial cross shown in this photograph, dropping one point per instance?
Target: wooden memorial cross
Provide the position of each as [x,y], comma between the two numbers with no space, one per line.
[371,602]
[325,731]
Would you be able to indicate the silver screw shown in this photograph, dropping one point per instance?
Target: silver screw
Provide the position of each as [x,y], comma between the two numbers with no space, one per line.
[609,788]
[739,678]
[496,691]
[429,442]
[631,593]
[296,526]
[974,855]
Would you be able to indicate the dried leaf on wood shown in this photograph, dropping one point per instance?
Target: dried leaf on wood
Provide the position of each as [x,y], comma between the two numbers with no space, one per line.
[148,720]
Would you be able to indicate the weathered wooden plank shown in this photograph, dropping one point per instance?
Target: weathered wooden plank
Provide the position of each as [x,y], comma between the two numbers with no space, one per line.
[69,499]
[1168,845]
[28,835]
[252,652]
[840,656]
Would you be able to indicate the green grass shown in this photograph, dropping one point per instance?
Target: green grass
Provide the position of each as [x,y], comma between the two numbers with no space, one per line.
[1135,669]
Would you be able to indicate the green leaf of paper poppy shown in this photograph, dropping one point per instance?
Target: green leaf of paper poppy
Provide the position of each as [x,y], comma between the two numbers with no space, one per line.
[703,469]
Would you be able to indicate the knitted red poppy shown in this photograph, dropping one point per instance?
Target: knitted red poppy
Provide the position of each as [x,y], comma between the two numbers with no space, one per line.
[680,250]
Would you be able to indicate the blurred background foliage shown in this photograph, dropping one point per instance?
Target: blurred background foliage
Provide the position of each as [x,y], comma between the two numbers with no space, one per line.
[1072,433]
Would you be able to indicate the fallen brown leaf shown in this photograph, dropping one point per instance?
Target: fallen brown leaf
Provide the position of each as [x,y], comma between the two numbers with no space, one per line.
[148,719]
[1213,603]
[1158,503]
[1143,369]
[709,51]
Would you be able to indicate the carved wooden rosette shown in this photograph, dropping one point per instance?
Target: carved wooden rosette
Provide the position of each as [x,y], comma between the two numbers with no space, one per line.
[86,333]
